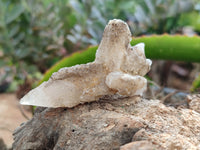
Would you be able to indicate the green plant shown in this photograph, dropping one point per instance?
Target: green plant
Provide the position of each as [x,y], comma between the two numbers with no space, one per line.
[92,16]
[33,35]
[171,47]
[190,19]
[143,17]
[196,84]
[159,16]
[180,48]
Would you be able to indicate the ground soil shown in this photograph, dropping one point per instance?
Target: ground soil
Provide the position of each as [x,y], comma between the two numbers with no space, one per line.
[10,117]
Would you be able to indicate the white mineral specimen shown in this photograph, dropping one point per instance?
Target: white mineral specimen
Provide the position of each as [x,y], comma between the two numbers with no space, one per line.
[117,70]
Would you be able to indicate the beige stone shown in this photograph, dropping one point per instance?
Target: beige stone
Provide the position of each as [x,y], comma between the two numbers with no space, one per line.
[194,102]
[138,145]
[117,70]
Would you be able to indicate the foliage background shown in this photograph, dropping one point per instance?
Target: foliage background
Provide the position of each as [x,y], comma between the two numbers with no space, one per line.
[35,34]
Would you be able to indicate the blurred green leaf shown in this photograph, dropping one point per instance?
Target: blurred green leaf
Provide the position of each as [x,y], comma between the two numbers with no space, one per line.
[14,30]
[16,11]
[190,19]
[196,84]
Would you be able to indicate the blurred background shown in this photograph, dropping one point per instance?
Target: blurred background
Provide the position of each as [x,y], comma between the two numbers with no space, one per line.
[35,34]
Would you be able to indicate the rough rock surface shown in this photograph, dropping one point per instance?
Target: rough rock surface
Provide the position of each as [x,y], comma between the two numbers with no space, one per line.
[128,123]
[194,102]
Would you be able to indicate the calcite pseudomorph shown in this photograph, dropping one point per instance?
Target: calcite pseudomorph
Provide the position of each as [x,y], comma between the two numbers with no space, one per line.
[117,70]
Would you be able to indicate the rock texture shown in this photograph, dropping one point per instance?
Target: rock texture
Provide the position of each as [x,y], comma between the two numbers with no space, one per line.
[126,124]
[194,102]
[118,70]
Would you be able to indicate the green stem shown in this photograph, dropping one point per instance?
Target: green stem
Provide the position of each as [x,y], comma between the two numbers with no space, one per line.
[167,47]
